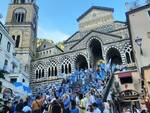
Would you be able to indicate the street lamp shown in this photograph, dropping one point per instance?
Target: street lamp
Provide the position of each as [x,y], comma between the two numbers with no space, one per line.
[138,41]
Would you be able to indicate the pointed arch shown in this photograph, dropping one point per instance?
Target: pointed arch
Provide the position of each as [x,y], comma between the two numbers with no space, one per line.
[115,56]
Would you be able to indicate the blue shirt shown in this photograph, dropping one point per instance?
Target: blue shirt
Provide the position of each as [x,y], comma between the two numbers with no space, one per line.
[75,110]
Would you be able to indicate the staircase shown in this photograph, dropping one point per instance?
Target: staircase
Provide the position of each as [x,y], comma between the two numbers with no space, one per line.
[107,88]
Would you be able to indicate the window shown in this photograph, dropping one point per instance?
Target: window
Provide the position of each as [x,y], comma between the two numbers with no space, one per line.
[17,41]
[13,80]
[19,15]
[126,80]
[66,69]
[62,69]
[42,72]
[0,37]
[23,80]
[37,74]
[5,65]
[55,71]
[16,1]
[69,68]
[22,1]
[128,58]
[49,72]
[44,46]
[8,46]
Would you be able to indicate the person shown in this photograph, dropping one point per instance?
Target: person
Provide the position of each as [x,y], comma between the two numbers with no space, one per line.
[82,105]
[92,98]
[66,101]
[26,108]
[55,107]
[106,107]
[13,107]
[90,109]
[6,109]
[96,109]
[74,109]
[37,105]
[19,106]
[135,109]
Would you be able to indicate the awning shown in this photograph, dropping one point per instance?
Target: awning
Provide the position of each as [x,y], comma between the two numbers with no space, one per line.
[125,74]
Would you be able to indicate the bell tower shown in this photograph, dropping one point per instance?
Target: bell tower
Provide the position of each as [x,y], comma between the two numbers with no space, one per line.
[21,23]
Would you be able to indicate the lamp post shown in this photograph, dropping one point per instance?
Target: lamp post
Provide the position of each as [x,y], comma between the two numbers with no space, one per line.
[138,41]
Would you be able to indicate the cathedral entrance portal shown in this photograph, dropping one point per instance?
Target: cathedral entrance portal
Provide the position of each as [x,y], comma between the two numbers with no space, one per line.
[95,52]
[81,62]
[114,55]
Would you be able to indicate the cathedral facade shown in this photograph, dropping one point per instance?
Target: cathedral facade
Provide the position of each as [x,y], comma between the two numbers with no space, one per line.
[99,37]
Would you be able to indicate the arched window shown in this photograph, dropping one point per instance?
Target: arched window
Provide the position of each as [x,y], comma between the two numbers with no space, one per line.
[66,70]
[52,71]
[19,15]
[69,68]
[128,58]
[17,41]
[36,73]
[13,37]
[5,65]
[49,72]
[55,71]
[42,72]
[62,69]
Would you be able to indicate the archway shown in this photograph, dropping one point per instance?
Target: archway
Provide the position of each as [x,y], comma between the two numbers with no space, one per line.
[114,55]
[95,52]
[81,62]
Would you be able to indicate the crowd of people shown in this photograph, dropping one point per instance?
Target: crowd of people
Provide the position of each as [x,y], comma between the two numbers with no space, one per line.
[79,93]
[82,92]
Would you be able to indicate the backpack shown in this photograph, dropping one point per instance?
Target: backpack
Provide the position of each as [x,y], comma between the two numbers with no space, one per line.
[55,107]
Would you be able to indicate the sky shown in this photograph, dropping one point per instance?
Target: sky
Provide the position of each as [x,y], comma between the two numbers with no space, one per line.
[57,18]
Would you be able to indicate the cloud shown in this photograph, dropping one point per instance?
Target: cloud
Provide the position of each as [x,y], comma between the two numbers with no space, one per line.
[55,35]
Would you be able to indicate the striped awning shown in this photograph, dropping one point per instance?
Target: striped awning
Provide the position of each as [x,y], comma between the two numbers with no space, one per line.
[125,74]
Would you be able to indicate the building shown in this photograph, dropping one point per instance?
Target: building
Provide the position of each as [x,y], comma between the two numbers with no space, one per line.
[21,23]
[139,30]
[100,37]
[10,67]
